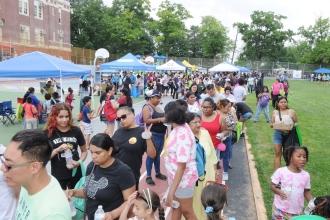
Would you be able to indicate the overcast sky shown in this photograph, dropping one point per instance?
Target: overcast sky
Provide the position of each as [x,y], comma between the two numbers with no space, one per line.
[298,12]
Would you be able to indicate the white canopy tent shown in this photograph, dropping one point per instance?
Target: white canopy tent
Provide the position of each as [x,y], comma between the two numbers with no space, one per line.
[224,67]
[171,66]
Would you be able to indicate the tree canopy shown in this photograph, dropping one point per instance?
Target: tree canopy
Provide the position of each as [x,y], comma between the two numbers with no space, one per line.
[127,26]
[264,37]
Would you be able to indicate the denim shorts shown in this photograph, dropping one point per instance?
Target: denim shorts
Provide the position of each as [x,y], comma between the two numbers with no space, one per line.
[247,115]
[278,136]
[185,193]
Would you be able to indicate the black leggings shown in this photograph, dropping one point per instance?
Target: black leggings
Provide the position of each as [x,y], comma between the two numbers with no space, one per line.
[71,182]
[274,100]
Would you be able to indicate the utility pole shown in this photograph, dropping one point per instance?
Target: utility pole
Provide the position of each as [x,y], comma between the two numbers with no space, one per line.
[232,57]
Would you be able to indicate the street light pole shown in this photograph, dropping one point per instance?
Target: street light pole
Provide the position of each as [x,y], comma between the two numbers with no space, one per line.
[235,44]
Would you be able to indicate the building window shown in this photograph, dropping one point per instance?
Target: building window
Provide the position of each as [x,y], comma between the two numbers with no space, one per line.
[23,7]
[39,36]
[24,34]
[38,13]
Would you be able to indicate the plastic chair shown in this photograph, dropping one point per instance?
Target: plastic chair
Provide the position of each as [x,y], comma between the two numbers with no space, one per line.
[7,113]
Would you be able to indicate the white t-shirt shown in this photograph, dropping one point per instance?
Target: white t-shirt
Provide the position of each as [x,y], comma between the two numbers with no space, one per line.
[239,93]
[8,201]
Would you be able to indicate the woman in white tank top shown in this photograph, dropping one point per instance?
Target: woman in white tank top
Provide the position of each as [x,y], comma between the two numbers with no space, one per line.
[283,120]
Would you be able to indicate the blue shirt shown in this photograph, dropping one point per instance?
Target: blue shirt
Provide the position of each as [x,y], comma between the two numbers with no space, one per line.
[85,111]
[35,100]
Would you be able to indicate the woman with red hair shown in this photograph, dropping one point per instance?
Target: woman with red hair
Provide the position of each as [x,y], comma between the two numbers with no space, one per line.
[65,138]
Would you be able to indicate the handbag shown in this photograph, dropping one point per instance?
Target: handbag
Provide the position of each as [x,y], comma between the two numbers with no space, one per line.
[291,139]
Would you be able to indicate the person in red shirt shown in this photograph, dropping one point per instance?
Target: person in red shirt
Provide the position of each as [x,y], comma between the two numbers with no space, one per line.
[30,114]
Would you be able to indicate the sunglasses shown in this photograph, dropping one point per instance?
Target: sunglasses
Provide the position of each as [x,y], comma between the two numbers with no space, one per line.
[10,167]
[123,117]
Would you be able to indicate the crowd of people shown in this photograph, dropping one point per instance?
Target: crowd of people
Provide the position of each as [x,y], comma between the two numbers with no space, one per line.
[193,135]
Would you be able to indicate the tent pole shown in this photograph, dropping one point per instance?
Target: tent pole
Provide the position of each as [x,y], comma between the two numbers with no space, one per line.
[61,83]
[93,80]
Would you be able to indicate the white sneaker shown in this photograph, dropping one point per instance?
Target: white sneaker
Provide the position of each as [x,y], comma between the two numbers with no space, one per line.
[225,176]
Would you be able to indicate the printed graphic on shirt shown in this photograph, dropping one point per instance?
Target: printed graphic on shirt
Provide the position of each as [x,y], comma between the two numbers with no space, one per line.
[95,185]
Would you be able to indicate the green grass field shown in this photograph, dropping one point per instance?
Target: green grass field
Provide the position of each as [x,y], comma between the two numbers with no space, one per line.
[6,132]
[311,103]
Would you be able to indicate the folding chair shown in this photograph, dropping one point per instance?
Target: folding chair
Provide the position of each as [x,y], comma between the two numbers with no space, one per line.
[7,113]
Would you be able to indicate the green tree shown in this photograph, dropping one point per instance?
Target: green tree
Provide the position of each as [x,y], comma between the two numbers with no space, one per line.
[264,37]
[128,27]
[172,37]
[313,46]
[87,24]
[320,31]
[213,36]
[194,42]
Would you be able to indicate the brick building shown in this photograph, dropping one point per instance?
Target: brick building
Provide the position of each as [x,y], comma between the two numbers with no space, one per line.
[29,25]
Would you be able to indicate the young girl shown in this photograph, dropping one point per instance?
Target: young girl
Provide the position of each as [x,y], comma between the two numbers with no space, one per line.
[87,116]
[263,105]
[291,184]
[145,204]
[213,200]
[69,98]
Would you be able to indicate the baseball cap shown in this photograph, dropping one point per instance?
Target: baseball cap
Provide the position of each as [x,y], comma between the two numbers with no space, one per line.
[153,93]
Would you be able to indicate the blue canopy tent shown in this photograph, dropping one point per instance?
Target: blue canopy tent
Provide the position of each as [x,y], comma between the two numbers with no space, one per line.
[127,62]
[39,65]
[243,69]
[322,70]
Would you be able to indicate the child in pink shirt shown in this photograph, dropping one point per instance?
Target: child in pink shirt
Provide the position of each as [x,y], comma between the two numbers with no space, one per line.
[291,184]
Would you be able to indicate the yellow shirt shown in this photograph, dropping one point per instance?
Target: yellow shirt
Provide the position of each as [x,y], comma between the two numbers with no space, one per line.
[211,160]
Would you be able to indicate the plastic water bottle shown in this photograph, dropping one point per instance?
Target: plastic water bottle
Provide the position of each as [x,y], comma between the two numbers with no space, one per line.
[68,158]
[99,214]
[73,209]
[310,207]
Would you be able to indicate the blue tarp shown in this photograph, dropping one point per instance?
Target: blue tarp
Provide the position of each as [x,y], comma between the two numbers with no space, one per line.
[322,70]
[39,65]
[127,62]
[243,69]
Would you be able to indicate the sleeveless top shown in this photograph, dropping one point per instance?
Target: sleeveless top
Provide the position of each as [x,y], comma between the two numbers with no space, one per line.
[285,122]
[213,127]
[158,127]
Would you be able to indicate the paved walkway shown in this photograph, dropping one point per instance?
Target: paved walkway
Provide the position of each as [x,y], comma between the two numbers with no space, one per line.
[240,195]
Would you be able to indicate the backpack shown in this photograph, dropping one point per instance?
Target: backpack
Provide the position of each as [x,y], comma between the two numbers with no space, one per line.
[139,117]
[109,111]
[200,160]
[263,102]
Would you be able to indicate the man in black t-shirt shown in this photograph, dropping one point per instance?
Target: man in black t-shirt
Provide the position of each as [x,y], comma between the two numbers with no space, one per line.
[129,144]
[127,82]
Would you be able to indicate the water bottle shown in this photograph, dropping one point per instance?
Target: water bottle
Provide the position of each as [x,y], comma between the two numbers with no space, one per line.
[68,158]
[99,214]
[310,207]
[73,209]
